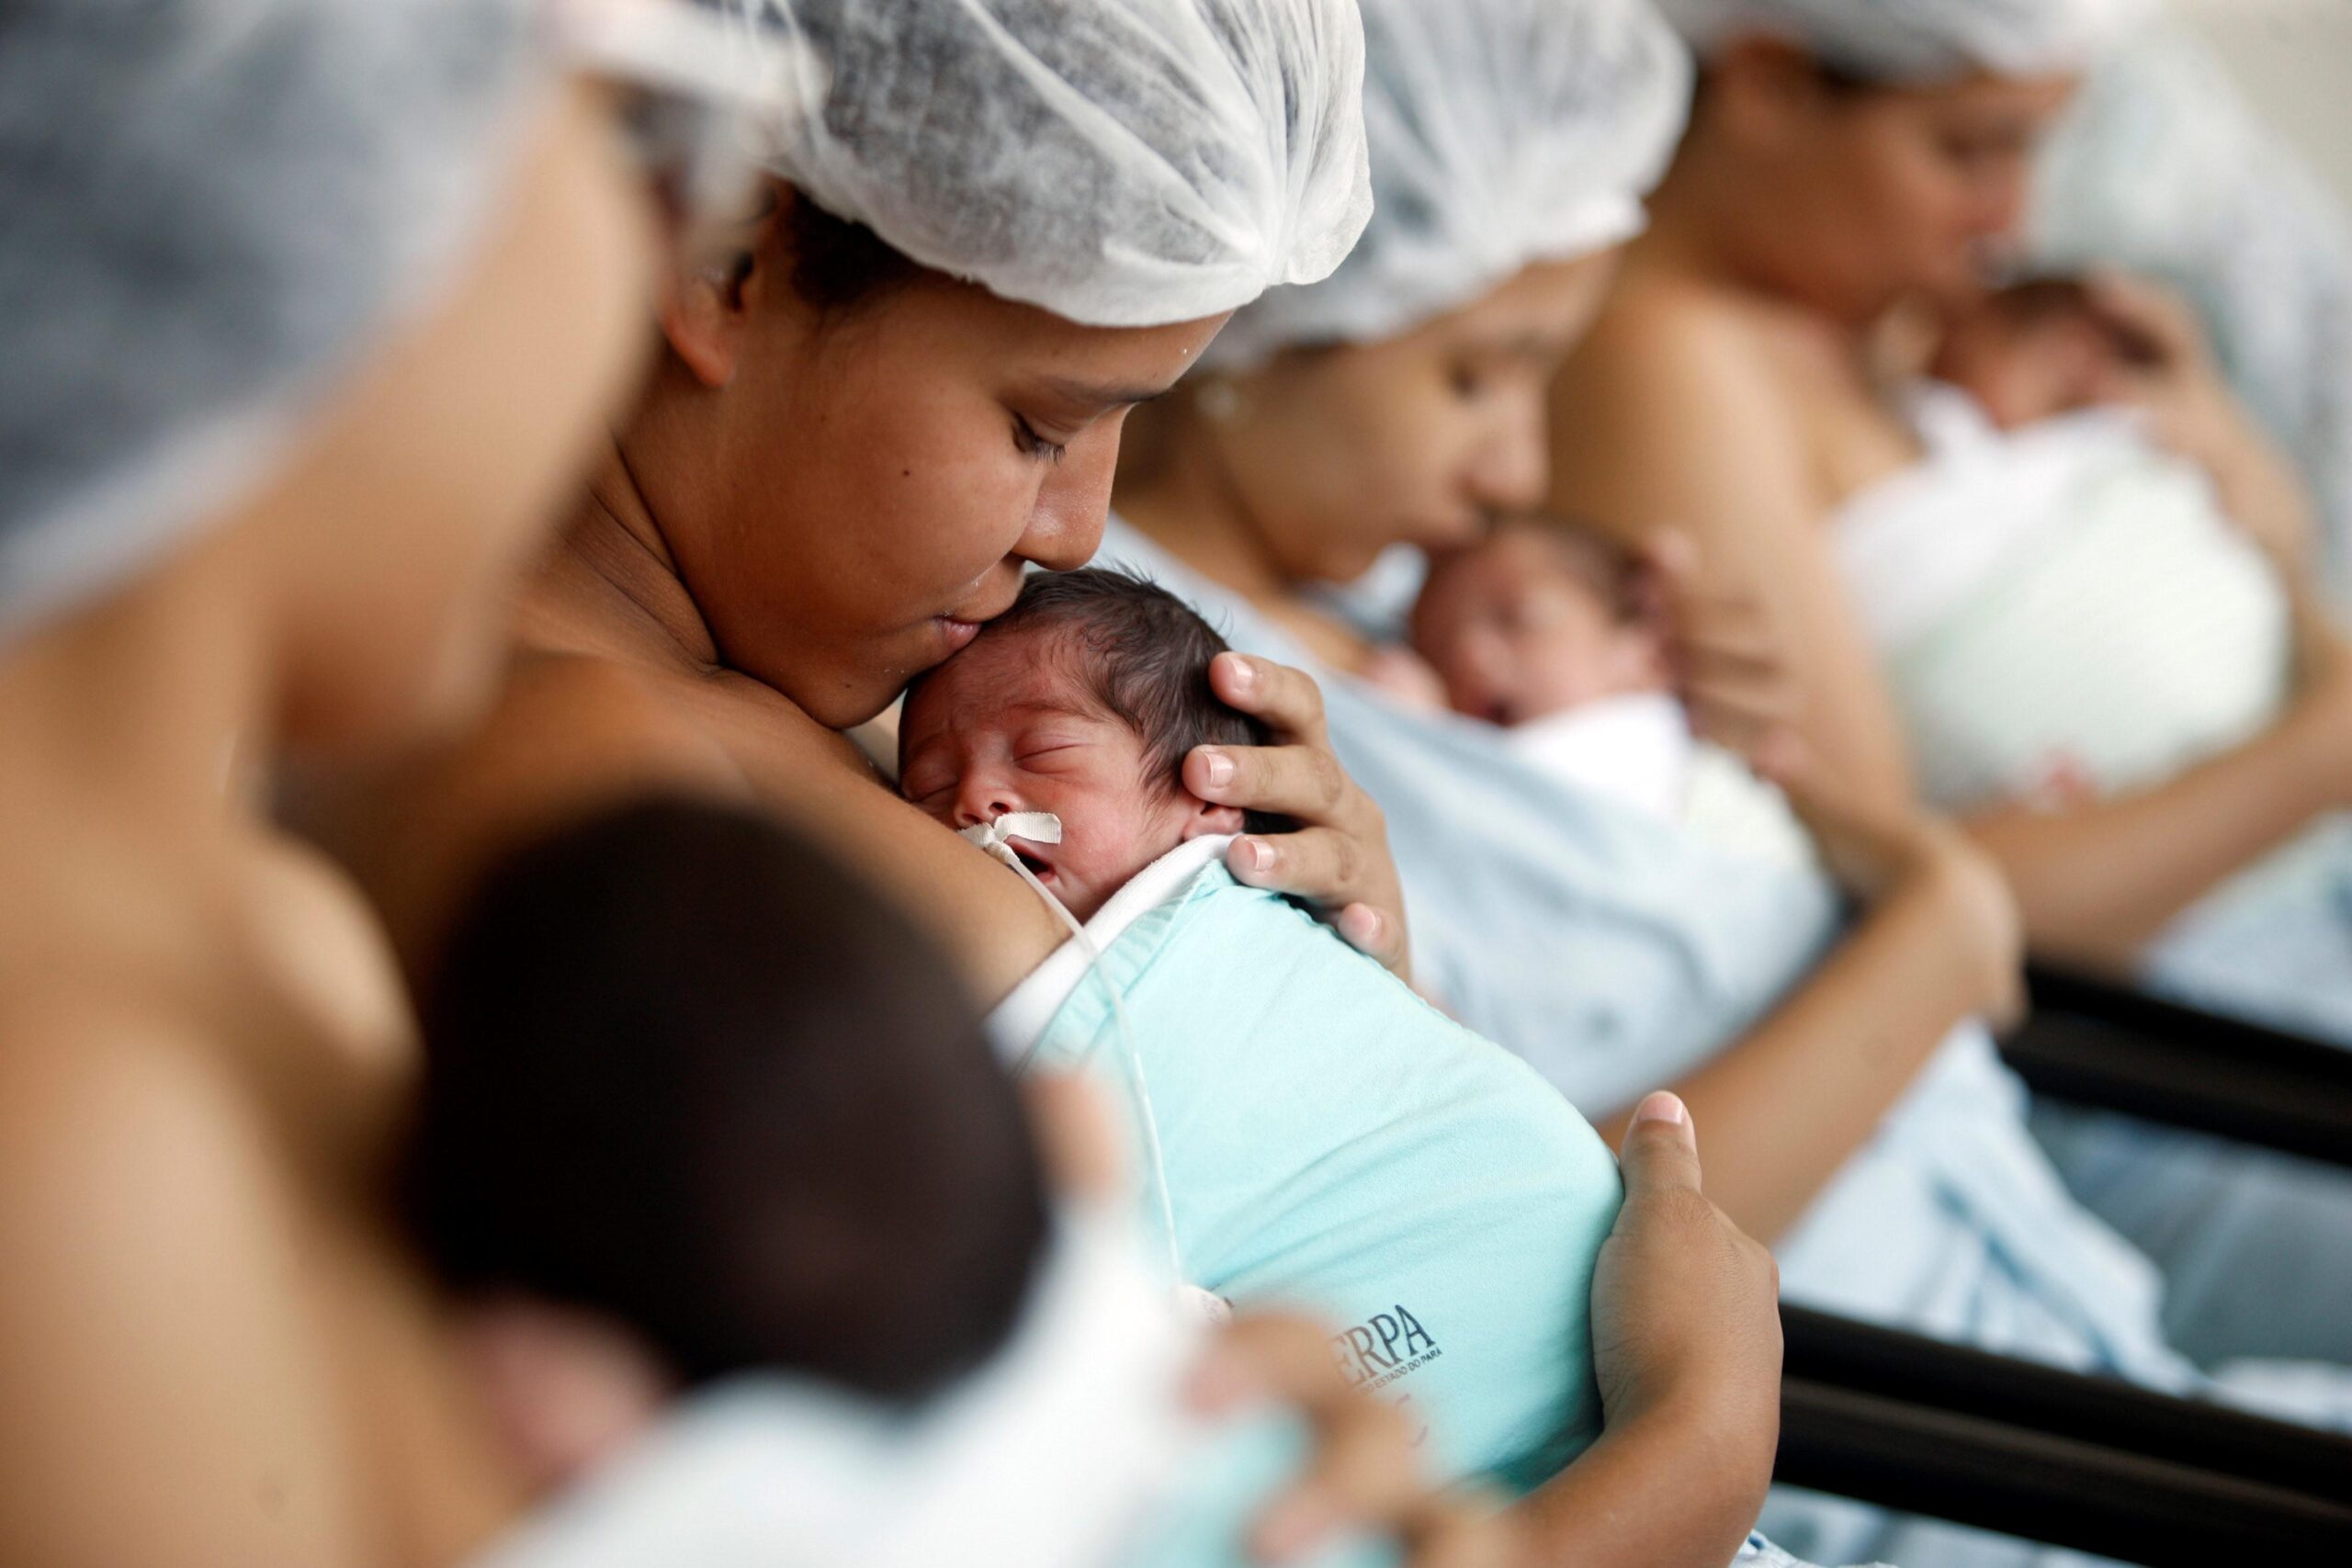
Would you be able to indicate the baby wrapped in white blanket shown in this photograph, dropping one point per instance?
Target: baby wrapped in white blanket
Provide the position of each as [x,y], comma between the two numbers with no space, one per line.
[1534,629]
[2066,612]
[2064,605]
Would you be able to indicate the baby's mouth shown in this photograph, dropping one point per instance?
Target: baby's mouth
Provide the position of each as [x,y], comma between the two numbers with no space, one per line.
[1038,868]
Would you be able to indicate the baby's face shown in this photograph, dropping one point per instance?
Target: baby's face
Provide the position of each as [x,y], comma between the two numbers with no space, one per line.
[1516,635]
[1007,726]
[2025,371]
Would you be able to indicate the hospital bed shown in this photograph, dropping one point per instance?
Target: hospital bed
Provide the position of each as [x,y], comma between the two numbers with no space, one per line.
[2107,1047]
[2088,1464]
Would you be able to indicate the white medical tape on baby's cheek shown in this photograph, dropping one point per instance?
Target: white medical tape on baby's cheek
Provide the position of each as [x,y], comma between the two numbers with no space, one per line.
[1045,828]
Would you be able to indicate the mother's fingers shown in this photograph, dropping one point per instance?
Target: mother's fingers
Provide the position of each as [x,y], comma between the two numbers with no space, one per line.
[1287,700]
[2164,317]
[1370,931]
[1306,781]
[1319,863]
[1363,1473]
[1661,1152]
[1743,714]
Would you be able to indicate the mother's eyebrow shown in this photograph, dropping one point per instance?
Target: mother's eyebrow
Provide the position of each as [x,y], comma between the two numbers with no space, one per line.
[1109,395]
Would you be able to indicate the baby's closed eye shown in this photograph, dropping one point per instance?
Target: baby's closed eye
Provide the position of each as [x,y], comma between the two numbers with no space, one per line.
[923,784]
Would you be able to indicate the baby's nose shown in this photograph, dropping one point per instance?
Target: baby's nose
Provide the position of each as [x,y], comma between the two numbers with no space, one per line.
[984,800]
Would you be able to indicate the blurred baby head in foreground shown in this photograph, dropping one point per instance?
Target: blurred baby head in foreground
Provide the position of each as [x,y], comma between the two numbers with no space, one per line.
[699,1102]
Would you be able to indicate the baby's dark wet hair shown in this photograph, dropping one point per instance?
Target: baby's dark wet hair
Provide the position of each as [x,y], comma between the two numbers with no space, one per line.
[684,1072]
[1145,657]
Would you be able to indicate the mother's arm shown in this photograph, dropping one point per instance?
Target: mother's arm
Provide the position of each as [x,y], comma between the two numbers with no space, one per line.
[1937,942]
[576,735]
[1687,1348]
[2097,881]
[1673,415]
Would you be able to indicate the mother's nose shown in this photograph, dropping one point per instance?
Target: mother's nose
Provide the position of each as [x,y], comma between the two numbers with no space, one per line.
[1066,525]
[1512,467]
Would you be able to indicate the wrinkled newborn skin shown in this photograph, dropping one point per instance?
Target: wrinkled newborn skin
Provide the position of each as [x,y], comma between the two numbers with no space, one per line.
[1516,633]
[1009,726]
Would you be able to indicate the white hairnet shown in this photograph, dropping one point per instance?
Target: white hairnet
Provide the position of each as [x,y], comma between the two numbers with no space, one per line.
[209,205]
[1503,132]
[1921,40]
[1120,163]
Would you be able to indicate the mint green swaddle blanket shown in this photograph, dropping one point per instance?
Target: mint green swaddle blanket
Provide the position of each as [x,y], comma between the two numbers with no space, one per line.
[1329,1141]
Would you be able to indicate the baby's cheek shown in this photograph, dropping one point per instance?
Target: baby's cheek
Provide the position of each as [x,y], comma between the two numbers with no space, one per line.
[1129,837]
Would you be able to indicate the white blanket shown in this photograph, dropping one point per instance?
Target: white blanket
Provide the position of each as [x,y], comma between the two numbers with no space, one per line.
[1639,750]
[2062,604]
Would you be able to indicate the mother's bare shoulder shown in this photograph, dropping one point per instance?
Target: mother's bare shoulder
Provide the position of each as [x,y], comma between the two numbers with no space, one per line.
[1670,333]
[157,1324]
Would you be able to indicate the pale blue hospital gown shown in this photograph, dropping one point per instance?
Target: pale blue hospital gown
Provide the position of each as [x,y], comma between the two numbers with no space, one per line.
[1616,958]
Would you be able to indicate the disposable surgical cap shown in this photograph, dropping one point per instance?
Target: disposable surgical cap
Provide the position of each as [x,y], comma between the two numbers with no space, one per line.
[1120,163]
[1921,40]
[1503,132]
[209,206]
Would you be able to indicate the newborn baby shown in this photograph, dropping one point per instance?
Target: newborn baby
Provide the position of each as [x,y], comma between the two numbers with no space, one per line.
[1090,693]
[1326,1138]
[2077,593]
[1537,619]
[1536,629]
[2036,350]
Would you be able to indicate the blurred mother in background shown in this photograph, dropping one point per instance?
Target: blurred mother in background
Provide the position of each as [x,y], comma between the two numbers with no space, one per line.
[1846,158]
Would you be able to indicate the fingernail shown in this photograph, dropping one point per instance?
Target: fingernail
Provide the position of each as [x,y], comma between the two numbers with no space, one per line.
[1662,1107]
[1363,926]
[1294,1525]
[1218,767]
[1245,674]
[1261,854]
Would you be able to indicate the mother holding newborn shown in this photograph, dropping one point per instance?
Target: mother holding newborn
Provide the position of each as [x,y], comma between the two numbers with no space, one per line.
[1846,158]
[1852,1112]
[906,386]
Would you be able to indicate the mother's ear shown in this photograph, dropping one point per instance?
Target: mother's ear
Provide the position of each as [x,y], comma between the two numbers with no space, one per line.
[1768,92]
[706,309]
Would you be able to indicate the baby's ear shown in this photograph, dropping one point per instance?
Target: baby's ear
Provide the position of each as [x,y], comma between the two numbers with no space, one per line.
[1207,819]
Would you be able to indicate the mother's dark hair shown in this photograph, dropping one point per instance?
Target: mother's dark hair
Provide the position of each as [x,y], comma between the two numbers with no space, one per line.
[837,264]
